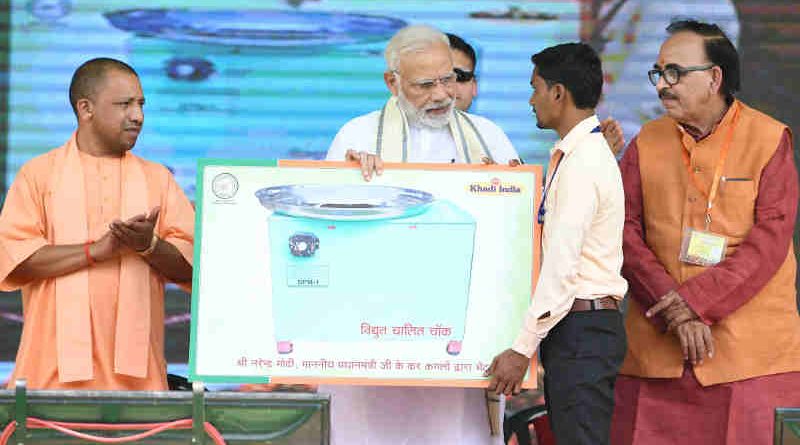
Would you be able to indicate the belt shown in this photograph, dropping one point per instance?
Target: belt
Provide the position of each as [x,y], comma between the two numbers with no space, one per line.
[581,305]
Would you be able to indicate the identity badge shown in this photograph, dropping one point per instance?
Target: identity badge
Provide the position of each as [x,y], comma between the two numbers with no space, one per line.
[702,248]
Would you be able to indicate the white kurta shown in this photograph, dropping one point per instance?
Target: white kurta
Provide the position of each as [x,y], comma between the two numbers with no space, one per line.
[425,144]
[372,415]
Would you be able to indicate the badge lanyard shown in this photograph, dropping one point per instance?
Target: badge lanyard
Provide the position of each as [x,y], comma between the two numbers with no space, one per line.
[542,211]
[723,156]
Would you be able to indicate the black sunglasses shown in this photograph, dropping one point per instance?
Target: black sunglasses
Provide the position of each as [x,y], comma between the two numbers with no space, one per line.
[463,75]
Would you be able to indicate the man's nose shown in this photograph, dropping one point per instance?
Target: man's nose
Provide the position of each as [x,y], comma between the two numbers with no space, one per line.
[662,83]
[442,91]
[136,114]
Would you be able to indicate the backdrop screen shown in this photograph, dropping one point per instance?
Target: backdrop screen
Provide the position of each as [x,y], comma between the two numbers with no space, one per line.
[277,78]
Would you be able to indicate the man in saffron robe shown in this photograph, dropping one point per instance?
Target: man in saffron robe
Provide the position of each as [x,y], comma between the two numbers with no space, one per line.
[91,233]
[711,199]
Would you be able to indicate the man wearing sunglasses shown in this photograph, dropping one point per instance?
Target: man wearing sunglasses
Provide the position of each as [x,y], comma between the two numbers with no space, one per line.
[711,200]
[464,65]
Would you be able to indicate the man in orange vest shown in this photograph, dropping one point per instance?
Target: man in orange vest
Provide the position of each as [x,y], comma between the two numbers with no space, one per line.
[711,199]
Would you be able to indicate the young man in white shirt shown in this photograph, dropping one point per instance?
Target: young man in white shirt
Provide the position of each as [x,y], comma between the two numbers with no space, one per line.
[574,313]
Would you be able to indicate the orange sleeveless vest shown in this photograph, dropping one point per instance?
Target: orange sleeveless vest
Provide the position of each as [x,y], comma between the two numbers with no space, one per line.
[763,336]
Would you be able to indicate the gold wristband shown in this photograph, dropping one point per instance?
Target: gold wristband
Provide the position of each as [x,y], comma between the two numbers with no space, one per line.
[151,248]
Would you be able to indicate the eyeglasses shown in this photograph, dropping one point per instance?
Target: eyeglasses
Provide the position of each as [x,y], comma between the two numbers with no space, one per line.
[672,73]
[463,76]
[427,85]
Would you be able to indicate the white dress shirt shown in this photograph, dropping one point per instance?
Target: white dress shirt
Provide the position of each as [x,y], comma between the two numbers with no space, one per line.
[581,235]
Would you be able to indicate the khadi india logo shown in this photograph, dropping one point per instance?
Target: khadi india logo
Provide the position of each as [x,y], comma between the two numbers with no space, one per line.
[494,187]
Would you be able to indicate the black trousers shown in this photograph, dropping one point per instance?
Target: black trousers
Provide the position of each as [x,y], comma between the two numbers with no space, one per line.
[581,357]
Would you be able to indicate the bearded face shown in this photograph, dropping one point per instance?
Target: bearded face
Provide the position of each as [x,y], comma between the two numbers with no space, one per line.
[424,83]
[433,113]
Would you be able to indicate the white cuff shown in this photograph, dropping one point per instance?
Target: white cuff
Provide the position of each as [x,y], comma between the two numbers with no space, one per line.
[526,343]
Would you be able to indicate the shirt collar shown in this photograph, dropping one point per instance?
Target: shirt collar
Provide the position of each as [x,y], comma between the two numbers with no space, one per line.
[577,133]
[726,120]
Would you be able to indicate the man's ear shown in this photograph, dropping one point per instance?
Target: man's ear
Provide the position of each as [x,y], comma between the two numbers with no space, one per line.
[391,82]
[84,108]
[559,92]
[716,79]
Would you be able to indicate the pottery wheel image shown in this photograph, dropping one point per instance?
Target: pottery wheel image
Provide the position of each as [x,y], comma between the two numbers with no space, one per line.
[345,202]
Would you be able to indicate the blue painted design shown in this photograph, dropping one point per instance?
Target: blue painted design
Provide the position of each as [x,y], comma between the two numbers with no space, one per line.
[256,28]
[379,272]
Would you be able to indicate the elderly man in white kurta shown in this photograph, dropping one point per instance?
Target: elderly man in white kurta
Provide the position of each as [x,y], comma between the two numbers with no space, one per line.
[418,124]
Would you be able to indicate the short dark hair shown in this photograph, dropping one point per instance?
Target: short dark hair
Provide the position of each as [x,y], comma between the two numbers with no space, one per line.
[90,74]
[460,44]
[719,50]
[577,67]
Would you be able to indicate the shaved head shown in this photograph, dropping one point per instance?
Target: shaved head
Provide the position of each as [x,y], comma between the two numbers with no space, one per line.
[89,76]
